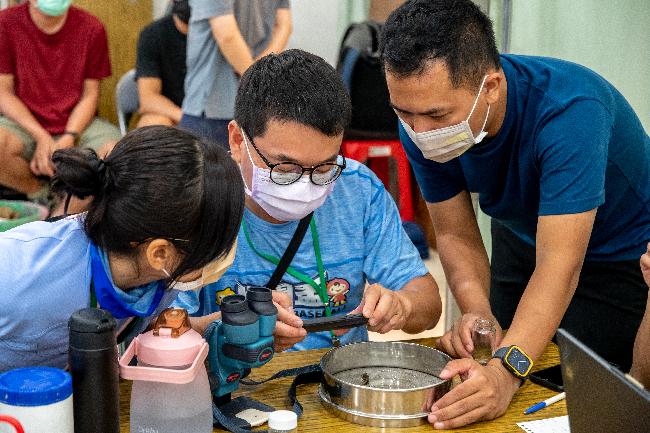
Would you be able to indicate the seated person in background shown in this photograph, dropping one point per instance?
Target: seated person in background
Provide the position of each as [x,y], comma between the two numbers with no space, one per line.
[52,58]
[160,67]
[641,362]
[290,114]
[225,37]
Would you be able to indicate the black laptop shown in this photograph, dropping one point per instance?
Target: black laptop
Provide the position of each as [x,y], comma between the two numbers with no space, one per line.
[600,398]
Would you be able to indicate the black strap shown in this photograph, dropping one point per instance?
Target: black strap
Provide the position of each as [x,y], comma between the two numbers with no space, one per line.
[304,375]
[289,372]
[221,420]
[311,374]
[290,252]
[128,329]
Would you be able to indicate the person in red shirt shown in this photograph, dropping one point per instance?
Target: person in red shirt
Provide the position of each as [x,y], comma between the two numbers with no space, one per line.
[52,58]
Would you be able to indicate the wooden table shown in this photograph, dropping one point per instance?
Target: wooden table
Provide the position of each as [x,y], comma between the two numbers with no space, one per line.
[317,419]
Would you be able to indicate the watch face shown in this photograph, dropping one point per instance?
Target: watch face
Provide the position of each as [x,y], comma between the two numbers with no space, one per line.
[518,361]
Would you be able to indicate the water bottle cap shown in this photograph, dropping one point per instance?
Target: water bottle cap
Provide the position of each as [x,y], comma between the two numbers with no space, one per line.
[92,320]
[165,351]
[92,329]
[283,420]
[34,386]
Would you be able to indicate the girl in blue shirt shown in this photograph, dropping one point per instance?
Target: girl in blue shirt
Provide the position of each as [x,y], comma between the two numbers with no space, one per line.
[164,214]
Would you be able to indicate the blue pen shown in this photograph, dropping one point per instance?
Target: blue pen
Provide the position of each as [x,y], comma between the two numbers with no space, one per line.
[542,405]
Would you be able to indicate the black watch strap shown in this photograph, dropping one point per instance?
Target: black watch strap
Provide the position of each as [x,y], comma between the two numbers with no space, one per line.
[501,353]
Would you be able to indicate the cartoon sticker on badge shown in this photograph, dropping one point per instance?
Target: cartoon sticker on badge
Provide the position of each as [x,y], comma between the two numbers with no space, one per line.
[337,290]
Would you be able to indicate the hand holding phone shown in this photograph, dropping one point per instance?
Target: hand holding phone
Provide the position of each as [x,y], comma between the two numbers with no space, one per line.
[333,323]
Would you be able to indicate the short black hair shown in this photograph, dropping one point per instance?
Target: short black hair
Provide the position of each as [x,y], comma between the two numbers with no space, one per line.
[158,182]
[292,86]
[454,31]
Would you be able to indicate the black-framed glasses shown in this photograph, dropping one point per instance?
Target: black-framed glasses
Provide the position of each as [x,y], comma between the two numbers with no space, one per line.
[286,173]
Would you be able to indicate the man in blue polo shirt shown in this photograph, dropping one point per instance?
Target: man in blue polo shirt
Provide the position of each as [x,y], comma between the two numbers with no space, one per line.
[560,162]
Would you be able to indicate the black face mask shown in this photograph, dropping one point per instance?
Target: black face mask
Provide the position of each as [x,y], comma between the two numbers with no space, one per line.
[181,9]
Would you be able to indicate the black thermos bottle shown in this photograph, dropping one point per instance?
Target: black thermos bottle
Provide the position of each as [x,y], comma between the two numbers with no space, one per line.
[92,357]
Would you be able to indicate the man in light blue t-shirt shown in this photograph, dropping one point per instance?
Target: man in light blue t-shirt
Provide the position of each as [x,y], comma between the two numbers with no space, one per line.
[290,113]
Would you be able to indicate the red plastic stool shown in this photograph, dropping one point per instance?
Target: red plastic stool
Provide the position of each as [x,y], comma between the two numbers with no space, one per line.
[379,156]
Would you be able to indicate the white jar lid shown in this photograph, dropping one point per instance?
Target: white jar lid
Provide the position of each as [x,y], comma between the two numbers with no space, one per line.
[283,420]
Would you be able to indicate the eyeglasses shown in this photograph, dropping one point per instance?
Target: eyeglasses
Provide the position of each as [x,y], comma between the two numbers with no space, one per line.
[286,173]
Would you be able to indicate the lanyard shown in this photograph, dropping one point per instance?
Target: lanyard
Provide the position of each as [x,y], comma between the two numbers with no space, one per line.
[321,288]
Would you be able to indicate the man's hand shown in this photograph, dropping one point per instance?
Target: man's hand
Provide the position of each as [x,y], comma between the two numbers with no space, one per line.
[200,324]
[457,342]
[385,309]
[645,266]
[41,163]
[288,329]
[484,394]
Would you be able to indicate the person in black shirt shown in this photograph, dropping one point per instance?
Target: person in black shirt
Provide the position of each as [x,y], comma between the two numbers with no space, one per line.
[160,67]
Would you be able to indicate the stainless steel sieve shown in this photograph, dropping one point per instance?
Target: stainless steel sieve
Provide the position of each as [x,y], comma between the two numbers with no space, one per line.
[383,384]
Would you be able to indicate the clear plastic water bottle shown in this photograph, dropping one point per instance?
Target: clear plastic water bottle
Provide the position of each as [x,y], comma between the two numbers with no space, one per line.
[171,392]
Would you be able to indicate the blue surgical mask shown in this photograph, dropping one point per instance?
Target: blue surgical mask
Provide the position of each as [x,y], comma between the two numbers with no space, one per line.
[140,301]
[54,8]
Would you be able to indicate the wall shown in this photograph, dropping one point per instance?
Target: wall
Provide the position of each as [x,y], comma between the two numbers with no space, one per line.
[123,20]
[612,37]
[318,25]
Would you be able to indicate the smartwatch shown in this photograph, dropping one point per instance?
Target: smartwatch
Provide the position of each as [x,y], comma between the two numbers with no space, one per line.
[516,361]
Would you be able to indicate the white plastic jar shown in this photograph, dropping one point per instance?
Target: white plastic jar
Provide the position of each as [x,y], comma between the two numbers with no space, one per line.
[40,398]
[283,421]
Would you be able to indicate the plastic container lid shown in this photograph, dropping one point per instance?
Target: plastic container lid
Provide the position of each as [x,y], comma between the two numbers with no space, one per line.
[165,351]
[34,386]
[283,420]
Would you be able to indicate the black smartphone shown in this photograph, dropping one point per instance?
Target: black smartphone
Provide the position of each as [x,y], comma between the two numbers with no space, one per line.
[334,322]
[550,378]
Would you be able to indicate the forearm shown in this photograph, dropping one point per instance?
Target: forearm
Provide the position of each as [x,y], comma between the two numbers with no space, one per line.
[12,107]
[462,253]
[237,54]
[541,309]
[641,363]
[82,114]
[423,297]
[468,272]
[280,35]
[231,43]
[199,324]
[155,103]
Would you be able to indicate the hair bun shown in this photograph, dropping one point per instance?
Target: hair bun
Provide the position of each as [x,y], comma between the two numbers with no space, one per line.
[79,172]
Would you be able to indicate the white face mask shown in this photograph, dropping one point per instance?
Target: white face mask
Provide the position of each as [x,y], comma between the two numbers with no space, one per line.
[444,144]
[285,202]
